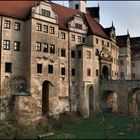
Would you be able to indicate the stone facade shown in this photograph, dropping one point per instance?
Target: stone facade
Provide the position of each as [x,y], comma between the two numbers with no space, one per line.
[59,68]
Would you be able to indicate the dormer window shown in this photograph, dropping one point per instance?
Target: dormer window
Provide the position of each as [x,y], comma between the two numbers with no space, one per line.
[45,13]
[78,26]
[77,6]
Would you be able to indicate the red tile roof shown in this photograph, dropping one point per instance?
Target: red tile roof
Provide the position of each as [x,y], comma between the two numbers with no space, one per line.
[17,9]
[21,10]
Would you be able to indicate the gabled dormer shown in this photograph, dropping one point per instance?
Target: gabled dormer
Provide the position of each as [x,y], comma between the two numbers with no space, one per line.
[44,12]
[77,24]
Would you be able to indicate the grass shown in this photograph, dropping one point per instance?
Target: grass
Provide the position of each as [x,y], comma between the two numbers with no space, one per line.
[72,127]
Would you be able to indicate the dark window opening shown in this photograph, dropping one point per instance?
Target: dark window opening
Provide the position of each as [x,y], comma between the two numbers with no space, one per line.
[72,54]
[62,71]
[97,73]
[63,52]
[8,67]
[79,54]
[50,69]
[88,72]
[73,72]
[77,6]
[39,68]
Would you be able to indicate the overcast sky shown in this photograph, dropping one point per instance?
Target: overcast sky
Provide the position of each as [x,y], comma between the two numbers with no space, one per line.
[124,14]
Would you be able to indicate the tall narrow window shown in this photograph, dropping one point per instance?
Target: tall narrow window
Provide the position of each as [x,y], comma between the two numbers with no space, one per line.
[83,39]
[63,71]
[16,46]
[7,24]
[8,67]
[63,36]
[39,68]
[17,26]
[79,54]
[88,55]
[45,28]
[72,37]
[102,42]
[6,44]
[50,69]
[97,72]
[39,27]
[88,72]
[122,62]
[73,72]
[77,6]
[63,52]
[52,49]
[72,54]
[38,46]
[96,40]
[79,39]
[52,30]
[45,47]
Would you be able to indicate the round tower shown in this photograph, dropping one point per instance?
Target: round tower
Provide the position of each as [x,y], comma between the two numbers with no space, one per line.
[78,5]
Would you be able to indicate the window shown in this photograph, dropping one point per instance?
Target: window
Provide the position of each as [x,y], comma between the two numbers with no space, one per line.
[88,55]
[38,46]
[79,54]
[7,24]
[96,40]
[88,72]
[63,52]
[102,42]
[45,28]
[133,75]
[50,69]
[133,64]
[97,73]
[46,13]
[17,26]
[72,37]
[39,27]
[79,39]
[83,39]
[63,71]
[122,74]
[52,49]
[45,47]
[77,6]
[51,30]
[63,35]
[16,46]
[39,68]
[73,72]
[121,62]
[78,26]
[8,67]
[6,44]
[72,54]
[107,44]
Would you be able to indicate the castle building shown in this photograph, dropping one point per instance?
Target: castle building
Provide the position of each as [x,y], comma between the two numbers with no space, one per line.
[53,57]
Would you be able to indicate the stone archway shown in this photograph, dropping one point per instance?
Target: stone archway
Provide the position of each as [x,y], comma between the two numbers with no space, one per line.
[105,72]
[134,101]
[109,102]
[91,100]
[45,97]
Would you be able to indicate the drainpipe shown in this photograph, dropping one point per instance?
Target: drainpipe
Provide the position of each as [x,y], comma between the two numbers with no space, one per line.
[0,68]
[69,60]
